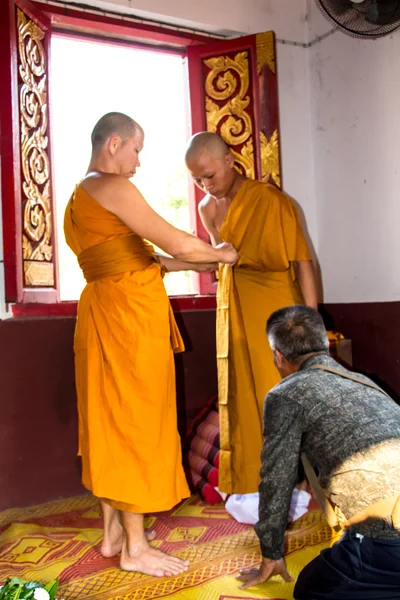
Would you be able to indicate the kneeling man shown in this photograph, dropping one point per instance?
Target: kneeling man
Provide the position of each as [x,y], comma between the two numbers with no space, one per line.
[349,430]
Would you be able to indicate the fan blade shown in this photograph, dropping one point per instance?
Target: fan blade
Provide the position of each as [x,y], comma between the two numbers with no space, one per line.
[383,12]
[340,6]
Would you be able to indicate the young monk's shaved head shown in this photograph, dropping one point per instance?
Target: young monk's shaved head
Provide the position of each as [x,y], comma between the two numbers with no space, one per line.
[113,123]
[212,165]
[206,142]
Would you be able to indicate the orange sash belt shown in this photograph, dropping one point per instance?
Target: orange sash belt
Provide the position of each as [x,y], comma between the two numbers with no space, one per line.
[121,255]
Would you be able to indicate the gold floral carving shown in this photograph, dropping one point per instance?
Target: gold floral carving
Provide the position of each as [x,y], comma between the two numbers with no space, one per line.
[246,159]
[270,158]
[265,51]
[36,245]
[227,104]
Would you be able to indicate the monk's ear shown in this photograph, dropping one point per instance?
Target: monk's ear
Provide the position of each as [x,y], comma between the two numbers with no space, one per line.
[114,144]
[230,161]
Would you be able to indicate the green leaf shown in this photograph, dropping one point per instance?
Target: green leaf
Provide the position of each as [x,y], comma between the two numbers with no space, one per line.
[18,592]
[3,590]
[17,581]
[52,588]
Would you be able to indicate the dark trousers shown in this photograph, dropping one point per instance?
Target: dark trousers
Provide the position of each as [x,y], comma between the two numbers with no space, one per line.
[356,567]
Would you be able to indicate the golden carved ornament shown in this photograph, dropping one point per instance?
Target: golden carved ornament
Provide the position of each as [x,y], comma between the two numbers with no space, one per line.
[265,51]
[221,83]
[228,82]
[270,158]
[236,129]
[34,158]
[246,159]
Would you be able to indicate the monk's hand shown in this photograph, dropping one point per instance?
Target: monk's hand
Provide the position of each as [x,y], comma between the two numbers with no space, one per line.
[227,254]
[205,267]
[267,569]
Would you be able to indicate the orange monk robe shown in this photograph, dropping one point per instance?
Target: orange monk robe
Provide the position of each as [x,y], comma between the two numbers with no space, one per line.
[263,225]
[125,376]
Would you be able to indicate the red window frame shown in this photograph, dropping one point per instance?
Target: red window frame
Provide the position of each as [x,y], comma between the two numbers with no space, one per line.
[41,302]
[256,51]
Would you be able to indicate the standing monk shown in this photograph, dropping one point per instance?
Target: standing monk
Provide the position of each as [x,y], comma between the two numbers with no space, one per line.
[274,270]
[124,343]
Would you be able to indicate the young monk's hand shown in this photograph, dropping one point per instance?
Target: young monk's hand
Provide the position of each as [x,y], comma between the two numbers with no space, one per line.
[228,254]
[267,569]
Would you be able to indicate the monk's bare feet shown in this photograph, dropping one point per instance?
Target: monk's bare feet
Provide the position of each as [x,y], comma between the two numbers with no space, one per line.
[148,560]
[112,543]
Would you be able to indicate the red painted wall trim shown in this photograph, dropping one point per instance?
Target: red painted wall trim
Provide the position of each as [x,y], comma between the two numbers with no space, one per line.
[69,309]
[87,22]
[9,140]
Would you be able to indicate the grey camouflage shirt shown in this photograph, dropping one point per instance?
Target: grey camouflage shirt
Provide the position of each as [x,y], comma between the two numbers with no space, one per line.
[349,432]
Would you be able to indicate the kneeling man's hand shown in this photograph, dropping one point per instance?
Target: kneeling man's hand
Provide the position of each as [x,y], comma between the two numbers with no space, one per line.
[267,569]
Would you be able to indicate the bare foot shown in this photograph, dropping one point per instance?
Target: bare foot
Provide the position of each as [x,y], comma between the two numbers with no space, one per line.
[112,543]
[151,561]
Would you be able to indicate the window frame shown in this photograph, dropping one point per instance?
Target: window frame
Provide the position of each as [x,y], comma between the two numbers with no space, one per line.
[251,131]
[27,301]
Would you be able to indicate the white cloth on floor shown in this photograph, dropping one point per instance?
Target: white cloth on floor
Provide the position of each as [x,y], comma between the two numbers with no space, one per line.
[244,507]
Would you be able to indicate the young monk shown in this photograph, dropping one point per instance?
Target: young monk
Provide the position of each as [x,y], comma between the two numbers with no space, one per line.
[274,270]
[124,343]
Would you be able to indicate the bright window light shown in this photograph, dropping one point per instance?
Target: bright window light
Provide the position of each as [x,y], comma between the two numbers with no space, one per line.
[91,78]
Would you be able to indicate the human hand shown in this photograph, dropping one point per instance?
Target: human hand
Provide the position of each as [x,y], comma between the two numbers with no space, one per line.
[205,267]
[267,569]
[228,254]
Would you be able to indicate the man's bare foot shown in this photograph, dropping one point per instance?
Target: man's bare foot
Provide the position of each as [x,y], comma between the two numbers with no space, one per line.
[151,561]
[112,543]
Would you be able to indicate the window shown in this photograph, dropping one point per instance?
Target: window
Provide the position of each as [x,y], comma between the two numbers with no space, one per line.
[135,84]
[231,88]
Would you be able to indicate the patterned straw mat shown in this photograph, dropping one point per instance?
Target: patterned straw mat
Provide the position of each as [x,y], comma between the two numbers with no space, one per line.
[62,539]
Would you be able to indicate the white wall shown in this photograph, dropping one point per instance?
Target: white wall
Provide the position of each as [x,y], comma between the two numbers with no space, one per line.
[286,17]
[355,104]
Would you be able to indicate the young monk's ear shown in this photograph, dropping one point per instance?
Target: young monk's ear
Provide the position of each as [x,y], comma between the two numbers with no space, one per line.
[230,161]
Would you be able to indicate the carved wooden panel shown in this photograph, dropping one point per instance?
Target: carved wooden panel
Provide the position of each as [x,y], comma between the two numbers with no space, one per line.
[240,103]
[229,106]
[269,137]
[36,221]
[233,92]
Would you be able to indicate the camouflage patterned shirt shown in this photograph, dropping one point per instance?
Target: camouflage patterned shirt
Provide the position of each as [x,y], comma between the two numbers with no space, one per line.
[349,432]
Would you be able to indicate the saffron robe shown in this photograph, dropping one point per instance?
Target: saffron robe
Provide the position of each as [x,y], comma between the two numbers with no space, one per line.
[124,365]
[263,225]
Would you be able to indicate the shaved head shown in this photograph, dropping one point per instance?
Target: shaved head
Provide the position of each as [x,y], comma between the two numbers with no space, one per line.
[113,123]
[212,165]
[208,142]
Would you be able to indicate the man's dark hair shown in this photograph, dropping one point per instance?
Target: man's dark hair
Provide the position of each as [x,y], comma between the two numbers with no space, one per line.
[296,331]
[113,123]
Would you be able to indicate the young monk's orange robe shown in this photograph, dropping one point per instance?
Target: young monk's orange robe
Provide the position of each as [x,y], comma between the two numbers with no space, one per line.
[263,225]
[125,376]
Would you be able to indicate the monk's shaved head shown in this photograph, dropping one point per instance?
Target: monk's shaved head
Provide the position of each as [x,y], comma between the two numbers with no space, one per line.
[212,165]
[113,123]
[206,142]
